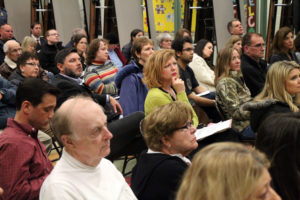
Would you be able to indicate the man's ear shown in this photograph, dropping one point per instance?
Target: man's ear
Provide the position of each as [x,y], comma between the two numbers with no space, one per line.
[67,141]
[245,48]
[60,66]
[26,107]
[178,54]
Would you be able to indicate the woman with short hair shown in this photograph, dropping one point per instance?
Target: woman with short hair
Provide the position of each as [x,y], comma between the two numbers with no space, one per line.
[100,73]
[227,171]
[164,41]
[133,92]
[169,135]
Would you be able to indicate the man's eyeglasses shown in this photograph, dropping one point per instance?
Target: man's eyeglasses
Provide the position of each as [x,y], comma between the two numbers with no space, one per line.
[33,64]
[54,34]
[16,50]
[259,45]
[187,126]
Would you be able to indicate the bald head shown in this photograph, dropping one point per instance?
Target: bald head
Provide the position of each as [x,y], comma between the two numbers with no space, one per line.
[80,124]
[12,50]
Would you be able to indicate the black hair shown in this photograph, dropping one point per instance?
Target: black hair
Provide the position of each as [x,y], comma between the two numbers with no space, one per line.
[62,54]
[134,32]
[33,90]
[279,138]
[33,24]
[26,56]
[178,43]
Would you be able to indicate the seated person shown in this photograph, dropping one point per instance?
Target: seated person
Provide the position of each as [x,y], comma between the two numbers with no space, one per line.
[80,43]
[114,52]
[133,91]
[83,172]
[235,41]
[127,137]
[162,78]
[278,137]
[164,41]
[184,55]
[202,71]
[283,47]
[24,164]
[28,65]
[7,101]
[169,135]
[227,171]
[100,72]
[232,92]
[126,49]
[281,93]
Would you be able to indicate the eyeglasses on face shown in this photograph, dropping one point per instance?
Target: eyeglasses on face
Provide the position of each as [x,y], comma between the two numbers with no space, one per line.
[187,126]
[33,64]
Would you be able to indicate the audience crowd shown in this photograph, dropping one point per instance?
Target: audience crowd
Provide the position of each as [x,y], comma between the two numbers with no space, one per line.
[100,102]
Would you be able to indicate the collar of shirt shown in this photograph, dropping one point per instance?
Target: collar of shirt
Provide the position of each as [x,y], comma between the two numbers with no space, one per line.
[26,128]
[183,158]
[77,80]
[10,63]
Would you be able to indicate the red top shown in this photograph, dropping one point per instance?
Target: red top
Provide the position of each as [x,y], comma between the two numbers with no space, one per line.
[24,163]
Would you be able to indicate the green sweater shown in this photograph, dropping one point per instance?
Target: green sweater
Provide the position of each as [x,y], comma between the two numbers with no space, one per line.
[157,97]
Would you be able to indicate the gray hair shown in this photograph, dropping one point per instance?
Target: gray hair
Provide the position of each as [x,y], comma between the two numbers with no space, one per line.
[162,36]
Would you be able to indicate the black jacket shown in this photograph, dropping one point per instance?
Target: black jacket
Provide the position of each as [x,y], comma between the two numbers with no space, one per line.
[266,108]
[70,88]
[157,176]
[47,57]
[280,57]
[254,74]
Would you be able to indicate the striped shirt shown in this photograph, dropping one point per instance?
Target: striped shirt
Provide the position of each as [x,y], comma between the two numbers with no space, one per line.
[100,77]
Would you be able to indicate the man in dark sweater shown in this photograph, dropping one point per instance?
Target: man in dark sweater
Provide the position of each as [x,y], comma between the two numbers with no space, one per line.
[254,68]
[49,50]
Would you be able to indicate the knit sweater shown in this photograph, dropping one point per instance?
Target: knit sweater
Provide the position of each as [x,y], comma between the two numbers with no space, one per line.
[100,77]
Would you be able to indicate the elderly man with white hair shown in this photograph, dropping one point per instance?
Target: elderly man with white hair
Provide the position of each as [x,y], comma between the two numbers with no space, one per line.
[83,172]
[12,52]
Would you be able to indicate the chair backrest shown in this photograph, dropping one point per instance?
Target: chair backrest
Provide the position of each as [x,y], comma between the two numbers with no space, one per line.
[220,111]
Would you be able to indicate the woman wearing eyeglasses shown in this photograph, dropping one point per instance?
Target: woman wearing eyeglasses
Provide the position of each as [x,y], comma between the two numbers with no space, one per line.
[169,135]
[28,66]
[283,47]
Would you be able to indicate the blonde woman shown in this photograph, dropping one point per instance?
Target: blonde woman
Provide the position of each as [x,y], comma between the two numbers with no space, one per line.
[227,171]
[235,41]
[161,77]
[170,136]
[29,44]
[281,92]
[232,92]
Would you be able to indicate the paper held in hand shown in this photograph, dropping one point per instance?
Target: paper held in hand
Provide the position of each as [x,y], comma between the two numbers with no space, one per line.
[213,129]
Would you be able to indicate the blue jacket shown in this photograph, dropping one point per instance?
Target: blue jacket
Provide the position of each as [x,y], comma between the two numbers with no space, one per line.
[133,92]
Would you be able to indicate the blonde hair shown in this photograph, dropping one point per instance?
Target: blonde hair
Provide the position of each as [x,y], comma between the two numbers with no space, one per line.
[163,121]
[154,66]
[223,63]
[275,84]
[28,41]
[227,171]
[232,40]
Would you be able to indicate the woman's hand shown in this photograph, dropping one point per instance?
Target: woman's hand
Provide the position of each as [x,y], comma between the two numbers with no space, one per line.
[178,84]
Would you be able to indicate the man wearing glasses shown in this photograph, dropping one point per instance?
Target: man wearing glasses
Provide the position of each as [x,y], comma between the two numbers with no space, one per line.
[49,50]
[12,52]
[254,68]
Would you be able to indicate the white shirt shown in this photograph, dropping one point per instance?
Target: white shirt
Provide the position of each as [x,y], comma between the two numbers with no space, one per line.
[71,179]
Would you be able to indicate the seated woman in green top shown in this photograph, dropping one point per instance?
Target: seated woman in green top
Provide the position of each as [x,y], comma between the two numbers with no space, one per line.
[161,76]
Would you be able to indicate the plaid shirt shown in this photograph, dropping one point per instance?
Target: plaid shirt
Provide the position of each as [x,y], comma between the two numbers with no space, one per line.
[24,164]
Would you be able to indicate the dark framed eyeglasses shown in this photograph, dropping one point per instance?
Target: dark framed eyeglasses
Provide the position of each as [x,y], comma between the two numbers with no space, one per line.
[187,126]
[33,64]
